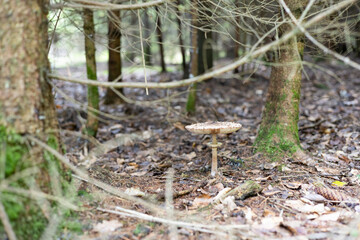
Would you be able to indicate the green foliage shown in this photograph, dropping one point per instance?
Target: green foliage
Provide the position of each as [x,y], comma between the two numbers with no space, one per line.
[141,230]
[27,221]
[72,225]
[25,216]
[14,147]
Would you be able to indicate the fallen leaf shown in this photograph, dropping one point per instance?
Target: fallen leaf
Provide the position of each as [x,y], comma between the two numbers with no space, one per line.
[271,222]
[315,197]
[229,202]
[201,201]
[330,217]
[107,226]
[338,184]
[293,185]
[134,192]
[190,156]
[139,174]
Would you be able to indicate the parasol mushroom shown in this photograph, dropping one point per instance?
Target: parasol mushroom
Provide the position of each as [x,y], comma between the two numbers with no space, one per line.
[214,128]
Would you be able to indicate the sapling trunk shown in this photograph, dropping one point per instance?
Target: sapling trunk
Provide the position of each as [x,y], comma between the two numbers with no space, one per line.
[147,36]
[93,92]
[160,40]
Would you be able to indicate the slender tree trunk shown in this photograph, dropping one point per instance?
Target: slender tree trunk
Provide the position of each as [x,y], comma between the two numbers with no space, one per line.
[26,108]
[160,40]
[114,63]
[237,36]
[278,133]
[194,67]
[182,47]
[93,92]
[205,39]
[147,36]
[201,52]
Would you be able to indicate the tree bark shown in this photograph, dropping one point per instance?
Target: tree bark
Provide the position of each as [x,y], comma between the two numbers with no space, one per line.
[278,133]
[26,108]
[160,40]
[194,67]
[93,92]
[237,36]
[181,43]
[114,63]
[201,55]
[26,100]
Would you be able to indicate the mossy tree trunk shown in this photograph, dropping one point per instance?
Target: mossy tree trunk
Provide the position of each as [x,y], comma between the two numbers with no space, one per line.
[181,43]
[114,62]
[93,92]
[26,108]
[278,133]
[160,40]
[201,50]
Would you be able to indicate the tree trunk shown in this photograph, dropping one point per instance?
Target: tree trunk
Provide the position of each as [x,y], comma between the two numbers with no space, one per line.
[26,108]
[93,92]
[160,40]
[201,56]
[278,133]
[147,36]
[191,101]
[114,63]
[182,47]
[237,36]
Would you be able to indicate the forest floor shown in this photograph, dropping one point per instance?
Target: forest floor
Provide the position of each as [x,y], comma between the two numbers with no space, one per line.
[137,145]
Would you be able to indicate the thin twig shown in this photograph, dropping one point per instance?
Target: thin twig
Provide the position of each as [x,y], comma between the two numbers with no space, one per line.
[6,223]
[169,202]
[36,195]
[193,226]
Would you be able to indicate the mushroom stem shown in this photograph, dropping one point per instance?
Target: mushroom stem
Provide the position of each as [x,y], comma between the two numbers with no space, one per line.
[214,156]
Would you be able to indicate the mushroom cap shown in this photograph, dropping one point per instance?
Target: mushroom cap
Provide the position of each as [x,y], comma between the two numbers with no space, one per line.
[213,127]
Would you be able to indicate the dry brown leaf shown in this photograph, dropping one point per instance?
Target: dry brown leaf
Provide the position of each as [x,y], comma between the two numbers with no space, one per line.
[293,185]
[201,201]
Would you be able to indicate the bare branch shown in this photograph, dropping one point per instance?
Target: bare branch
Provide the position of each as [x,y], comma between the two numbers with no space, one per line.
[326,50]
[112,6]
[216,72]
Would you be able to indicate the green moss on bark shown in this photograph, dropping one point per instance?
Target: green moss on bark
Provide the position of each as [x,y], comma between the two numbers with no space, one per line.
[274,142]
[191,101]
[25,216]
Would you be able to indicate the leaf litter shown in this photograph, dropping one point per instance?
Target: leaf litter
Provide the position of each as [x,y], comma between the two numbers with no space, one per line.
[252,198]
